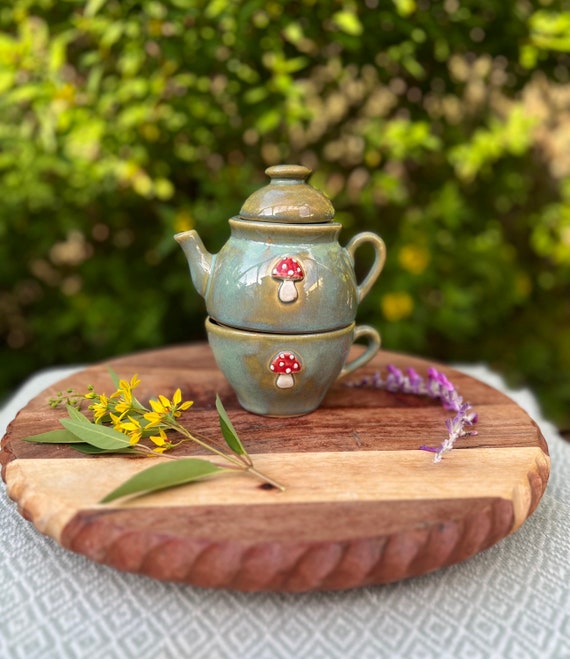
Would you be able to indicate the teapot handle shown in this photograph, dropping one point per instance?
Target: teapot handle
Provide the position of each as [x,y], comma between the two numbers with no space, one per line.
[379,259]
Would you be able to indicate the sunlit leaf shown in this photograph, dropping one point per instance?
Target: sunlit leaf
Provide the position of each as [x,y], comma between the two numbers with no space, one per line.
[268,121]
[348,22]
[93,6]
[405,7]
[164,475]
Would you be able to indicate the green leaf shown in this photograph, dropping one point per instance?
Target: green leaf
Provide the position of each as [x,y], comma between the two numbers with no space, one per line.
[96,435]
[255,95]
[165,475]
[93,450]
[114,377]
[93,6]
[268,121]
[348,22]
[228,430]
[405,7]
[54,437]
[74,413]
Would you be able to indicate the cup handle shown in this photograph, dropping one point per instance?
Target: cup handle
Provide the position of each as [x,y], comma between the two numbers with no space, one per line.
[379,258]
[373,337]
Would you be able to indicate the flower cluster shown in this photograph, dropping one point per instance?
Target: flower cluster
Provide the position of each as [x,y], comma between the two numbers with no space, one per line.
[129,416]
[119,423]
[437,386]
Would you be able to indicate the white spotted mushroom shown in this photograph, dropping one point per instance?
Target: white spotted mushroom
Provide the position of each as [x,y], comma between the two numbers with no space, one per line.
[289,271]
[285,365]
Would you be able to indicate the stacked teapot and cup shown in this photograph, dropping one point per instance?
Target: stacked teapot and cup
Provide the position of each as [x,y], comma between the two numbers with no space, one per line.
[282,295]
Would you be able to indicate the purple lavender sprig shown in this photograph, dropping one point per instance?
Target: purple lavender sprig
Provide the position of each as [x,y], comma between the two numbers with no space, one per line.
[436,385]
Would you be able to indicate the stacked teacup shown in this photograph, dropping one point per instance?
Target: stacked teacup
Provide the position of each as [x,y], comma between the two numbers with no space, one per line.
[282,296]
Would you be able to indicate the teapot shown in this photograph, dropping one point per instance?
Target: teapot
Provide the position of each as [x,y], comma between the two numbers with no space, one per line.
[282,269]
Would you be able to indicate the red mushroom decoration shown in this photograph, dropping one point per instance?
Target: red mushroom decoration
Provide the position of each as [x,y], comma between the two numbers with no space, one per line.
[285,365]
[288,270]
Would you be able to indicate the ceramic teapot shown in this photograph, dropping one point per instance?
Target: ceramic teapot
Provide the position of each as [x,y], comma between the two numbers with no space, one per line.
[283,270]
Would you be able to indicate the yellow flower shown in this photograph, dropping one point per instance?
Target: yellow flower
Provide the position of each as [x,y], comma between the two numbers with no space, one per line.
[161,441]
[123,406]
[396,306]
[177,405]
[100,408]
[154,419]
[132,428]
[125,395]
[116,421]
[163,407]
[164,402]
[414,258]
[126,388]
[159,412]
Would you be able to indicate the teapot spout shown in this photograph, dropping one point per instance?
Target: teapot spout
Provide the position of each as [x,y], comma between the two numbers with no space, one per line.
[199,259]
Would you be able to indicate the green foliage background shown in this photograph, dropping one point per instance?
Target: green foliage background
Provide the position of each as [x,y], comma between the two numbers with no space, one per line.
[443,126]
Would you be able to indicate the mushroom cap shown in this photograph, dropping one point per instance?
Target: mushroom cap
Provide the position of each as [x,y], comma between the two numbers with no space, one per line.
[285,362]
[288,268]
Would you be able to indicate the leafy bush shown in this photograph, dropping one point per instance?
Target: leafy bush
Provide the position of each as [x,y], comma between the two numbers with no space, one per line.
[442,126]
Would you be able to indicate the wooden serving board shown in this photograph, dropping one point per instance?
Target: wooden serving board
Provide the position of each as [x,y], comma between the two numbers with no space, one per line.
[363,505]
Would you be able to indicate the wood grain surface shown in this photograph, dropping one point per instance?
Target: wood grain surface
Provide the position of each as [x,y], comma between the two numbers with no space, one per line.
[363,504]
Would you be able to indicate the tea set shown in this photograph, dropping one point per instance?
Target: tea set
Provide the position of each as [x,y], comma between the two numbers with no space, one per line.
[282,295]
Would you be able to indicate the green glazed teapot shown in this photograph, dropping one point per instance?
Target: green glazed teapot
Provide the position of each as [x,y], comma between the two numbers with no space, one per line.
[282,269]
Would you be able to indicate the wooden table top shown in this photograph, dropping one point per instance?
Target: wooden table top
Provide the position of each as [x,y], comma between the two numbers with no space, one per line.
[362,506]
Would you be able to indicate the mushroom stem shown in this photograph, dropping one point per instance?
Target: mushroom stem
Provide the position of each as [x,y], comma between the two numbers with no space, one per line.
[285,381]
[287,291]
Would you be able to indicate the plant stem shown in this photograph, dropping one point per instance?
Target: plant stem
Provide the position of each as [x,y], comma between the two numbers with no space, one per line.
[182,430]
[242,462]
[265,478]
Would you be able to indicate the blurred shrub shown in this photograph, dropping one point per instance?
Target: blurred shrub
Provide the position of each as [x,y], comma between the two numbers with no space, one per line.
[441,125]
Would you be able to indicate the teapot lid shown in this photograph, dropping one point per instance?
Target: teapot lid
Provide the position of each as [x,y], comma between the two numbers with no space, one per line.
[288,198]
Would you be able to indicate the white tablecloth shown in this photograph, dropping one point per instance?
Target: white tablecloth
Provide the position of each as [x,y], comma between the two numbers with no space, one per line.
[511,601]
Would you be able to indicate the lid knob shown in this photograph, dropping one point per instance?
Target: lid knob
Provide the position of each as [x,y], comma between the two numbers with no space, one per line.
[296,173]
[288,198]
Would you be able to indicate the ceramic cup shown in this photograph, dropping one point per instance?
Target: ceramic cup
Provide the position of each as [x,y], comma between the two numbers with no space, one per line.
[286,374]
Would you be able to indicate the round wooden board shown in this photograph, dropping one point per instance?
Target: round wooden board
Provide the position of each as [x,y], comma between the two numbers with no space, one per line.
[363,505]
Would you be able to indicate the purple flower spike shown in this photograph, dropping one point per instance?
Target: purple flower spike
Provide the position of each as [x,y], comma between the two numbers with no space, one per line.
[416,381]
[436,385]
[431,449]
[445,382]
